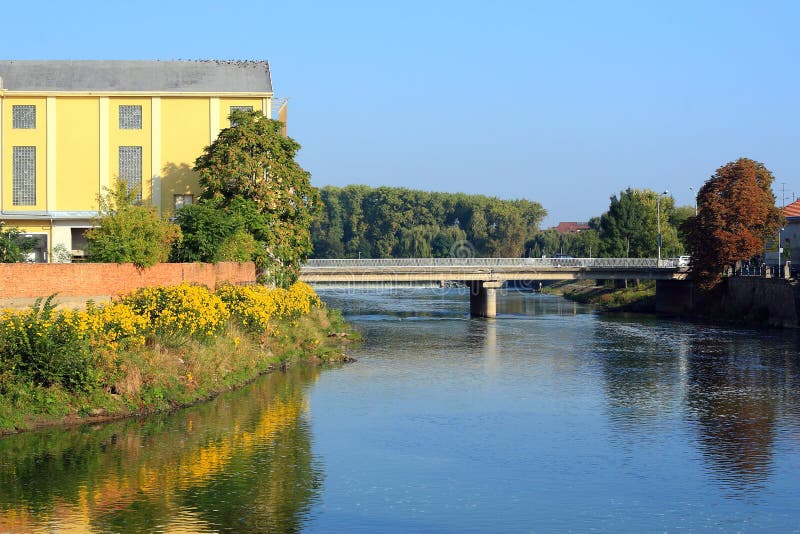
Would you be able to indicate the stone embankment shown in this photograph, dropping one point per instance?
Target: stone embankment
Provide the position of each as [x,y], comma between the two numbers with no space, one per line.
[740,299]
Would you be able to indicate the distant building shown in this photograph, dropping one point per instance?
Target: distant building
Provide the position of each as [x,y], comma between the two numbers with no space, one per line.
[790,236]
[68,128]
[571,227]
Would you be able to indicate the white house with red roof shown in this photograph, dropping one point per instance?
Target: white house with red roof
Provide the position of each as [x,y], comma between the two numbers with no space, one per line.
[790,238]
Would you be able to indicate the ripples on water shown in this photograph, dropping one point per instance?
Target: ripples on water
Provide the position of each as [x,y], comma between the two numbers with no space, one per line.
[551,417]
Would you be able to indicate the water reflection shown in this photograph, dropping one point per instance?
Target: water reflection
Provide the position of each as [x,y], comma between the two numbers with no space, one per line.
[448,423]
[729,388]
[643,379]
[242,463]
[736,392]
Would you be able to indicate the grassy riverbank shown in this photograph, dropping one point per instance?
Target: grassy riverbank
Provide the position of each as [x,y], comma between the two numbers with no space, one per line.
[639,298]
[155,349]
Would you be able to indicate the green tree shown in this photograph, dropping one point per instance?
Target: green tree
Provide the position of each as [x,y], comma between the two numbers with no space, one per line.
[327,230]
[587,244]
[129,232]
[382,222]
[253,161]
[14,246]
[630,226]
[736,213]
[212,234]
[583,244]
[677,218]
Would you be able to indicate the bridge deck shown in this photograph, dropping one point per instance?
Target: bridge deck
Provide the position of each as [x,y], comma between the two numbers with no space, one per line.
[488,269]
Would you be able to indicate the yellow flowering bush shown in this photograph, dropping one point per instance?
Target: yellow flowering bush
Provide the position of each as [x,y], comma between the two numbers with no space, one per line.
[176,313]
[110,327]
[79,349]
[254,306]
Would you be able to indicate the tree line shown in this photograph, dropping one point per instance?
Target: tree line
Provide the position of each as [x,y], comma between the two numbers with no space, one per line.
[383,222]
[628,229]
[360,221]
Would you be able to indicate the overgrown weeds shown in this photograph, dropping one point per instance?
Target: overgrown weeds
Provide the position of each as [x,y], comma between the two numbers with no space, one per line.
[155,348]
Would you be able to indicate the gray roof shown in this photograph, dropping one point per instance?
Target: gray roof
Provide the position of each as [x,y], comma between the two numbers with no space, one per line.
[211,76]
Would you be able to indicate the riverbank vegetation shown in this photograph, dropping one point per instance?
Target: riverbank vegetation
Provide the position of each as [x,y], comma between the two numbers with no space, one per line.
[154,349]
[638,297]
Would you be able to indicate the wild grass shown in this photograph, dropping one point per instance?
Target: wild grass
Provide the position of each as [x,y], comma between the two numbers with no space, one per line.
[191,346]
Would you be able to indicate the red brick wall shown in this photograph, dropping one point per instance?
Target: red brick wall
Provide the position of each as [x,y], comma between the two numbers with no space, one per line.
[26,280]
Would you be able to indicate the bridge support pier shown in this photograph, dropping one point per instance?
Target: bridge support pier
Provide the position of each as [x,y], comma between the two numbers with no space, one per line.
[483,298]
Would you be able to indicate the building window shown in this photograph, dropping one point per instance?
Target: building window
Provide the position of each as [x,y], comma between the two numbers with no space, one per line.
[23,117]
[130,117]
[23,181]
[183,200]
[130,168]
[239,108]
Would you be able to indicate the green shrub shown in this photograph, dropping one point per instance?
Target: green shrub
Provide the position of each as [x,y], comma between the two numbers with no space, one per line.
[129,232]
[46,348]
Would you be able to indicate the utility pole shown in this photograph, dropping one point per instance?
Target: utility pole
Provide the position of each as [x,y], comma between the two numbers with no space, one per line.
[658,222]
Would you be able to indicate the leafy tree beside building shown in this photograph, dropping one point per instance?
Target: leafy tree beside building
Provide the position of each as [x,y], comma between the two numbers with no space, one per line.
[249,174]
[736,213]
[128,231]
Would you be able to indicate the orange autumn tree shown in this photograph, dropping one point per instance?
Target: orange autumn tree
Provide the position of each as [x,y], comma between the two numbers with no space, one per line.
[736,213]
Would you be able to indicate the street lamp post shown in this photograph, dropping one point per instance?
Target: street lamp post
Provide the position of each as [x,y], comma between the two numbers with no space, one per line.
[780,248]
[695,200]
[658,223]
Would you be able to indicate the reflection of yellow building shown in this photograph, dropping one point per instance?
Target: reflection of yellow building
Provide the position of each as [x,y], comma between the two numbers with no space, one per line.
[68,128]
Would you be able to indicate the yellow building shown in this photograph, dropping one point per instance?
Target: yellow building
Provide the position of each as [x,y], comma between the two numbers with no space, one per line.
[68,128]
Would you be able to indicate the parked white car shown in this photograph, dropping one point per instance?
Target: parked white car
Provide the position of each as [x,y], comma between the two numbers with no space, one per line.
[683,261]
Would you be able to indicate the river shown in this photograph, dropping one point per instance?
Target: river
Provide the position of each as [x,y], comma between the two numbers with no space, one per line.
[550,418]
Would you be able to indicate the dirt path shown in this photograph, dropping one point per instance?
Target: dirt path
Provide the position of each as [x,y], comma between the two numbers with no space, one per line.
[61,302]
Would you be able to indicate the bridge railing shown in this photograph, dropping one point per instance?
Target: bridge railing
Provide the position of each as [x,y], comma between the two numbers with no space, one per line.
[604,263]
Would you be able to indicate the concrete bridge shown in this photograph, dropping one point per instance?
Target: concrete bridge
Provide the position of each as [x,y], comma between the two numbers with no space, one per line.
[485,276]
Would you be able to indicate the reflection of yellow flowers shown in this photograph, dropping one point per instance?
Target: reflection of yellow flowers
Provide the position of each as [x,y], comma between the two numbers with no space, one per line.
[214,457]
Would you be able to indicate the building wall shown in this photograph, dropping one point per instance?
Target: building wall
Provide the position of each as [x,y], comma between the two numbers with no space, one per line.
[77,139]
[31,280]
[185,131]
[77,154]
[36,137]
[791,233]
[118,137]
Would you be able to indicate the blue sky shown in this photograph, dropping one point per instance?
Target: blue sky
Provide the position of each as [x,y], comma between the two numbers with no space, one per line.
[564,103]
